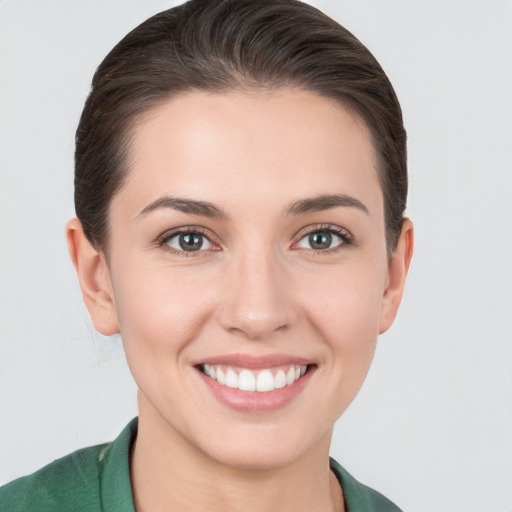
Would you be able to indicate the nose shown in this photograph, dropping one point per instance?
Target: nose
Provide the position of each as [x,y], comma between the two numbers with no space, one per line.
[258,304]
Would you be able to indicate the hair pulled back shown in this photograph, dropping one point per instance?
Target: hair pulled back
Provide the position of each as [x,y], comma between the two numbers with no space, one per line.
[222,45]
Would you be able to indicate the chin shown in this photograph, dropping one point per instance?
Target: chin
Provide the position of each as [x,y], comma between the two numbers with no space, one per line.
[264,447]
[256,458]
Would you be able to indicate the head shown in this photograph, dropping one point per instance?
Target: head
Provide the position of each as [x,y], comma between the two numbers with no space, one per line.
[231,45]
[240,189]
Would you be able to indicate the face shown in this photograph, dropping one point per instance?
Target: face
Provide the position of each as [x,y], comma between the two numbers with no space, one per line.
[248,272]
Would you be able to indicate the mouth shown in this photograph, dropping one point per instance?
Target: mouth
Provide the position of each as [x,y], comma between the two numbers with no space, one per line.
[262,380]
[256,385]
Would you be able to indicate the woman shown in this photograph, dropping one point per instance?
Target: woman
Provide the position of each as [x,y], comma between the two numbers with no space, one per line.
[240,186]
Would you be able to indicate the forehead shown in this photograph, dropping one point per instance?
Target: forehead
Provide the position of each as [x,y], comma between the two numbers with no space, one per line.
[269,144]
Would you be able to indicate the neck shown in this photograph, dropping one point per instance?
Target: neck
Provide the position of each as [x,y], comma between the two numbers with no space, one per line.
[168,474]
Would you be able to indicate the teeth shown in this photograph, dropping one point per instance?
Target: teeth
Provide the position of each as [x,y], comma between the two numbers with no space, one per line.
[247,380]
[280,380]
[265,381]
[231,379]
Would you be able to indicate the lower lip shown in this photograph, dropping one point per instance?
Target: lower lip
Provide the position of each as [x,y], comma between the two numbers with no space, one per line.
[255,401]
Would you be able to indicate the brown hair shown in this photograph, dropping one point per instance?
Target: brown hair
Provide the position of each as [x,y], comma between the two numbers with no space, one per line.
[220,45]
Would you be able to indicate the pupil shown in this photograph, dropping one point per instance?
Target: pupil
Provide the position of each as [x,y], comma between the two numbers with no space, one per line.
[191,242]
[320,240]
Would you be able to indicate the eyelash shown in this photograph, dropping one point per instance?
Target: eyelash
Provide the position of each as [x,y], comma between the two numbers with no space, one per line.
[343,234]
[164,238]
[346,237]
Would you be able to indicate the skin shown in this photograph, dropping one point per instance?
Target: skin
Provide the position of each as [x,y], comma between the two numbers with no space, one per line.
[258,288]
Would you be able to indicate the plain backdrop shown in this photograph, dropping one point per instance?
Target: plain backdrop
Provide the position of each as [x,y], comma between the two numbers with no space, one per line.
[432,426]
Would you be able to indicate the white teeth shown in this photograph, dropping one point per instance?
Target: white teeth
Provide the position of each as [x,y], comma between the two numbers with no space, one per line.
[221,377]
[231,379]
[290,376]
[280,380]
[265,381]
[248,380]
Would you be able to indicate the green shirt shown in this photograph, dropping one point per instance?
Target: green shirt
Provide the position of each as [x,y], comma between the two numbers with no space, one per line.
[97,479]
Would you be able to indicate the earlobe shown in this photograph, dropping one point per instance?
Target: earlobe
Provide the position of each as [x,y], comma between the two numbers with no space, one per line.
[94,277]
[398,267]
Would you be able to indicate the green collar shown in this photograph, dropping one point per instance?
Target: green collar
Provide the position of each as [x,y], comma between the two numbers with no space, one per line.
[114,471]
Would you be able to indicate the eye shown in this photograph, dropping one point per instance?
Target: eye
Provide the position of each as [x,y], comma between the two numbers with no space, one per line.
[323,239]
[190,241]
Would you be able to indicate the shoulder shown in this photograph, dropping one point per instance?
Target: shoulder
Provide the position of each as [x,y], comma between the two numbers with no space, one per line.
[359,497]
[70,483]
[88,480]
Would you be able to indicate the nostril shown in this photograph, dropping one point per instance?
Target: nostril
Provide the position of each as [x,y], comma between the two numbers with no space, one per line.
[255,325]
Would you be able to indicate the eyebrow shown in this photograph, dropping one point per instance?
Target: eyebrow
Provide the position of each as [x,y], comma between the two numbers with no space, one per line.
[203,208]
[300,207]
[324,202]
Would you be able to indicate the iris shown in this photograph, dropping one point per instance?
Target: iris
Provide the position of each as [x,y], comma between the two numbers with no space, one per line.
[320,240]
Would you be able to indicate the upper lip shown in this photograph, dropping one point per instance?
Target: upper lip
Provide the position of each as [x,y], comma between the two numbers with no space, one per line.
[254,362]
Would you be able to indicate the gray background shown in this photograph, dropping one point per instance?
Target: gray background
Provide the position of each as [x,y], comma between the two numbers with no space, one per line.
[432,427]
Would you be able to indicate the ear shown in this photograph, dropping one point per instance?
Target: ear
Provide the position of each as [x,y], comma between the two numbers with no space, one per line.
[398,267]
[94,277]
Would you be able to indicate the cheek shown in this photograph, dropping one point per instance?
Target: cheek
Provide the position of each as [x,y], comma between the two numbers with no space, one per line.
[160,311]
[343,306]
[345,302]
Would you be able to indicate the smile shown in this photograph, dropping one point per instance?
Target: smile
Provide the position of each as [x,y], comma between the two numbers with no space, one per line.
[263,380]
